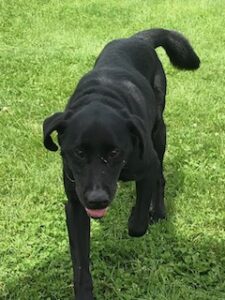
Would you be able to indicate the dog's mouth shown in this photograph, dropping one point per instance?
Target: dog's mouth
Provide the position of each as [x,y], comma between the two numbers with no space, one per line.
[96,213]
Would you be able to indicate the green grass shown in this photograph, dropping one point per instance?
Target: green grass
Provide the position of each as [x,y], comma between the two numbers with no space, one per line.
[46,46]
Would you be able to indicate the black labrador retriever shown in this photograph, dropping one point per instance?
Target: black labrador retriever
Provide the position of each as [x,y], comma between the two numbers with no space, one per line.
[112,129]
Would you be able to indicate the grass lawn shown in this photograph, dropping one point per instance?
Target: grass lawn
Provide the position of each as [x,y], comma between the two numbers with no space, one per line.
[45,47]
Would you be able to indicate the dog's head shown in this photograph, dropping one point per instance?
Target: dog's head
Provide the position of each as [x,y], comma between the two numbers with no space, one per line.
[95,142]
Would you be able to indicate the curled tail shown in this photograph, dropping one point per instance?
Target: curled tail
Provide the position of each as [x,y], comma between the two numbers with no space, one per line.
[177,47]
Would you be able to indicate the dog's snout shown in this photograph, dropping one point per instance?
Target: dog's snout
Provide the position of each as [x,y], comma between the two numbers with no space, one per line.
[97,199]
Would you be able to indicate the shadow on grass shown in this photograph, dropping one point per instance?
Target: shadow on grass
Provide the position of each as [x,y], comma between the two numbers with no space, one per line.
[161,265]
[50,279]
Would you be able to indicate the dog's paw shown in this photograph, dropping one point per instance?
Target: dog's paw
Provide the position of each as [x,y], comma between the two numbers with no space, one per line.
[137,225]
[156,216]
[136,232]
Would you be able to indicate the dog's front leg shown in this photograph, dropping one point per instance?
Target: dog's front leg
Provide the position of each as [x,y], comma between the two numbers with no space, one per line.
[139,218]
[78,224]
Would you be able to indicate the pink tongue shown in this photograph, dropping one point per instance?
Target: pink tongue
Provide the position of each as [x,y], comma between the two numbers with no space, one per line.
[96,213]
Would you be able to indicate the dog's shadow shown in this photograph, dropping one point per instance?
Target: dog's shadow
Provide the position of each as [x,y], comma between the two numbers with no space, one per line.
[120,265]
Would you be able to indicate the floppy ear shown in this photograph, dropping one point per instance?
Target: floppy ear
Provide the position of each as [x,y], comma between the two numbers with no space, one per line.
[138,132]
[54,122]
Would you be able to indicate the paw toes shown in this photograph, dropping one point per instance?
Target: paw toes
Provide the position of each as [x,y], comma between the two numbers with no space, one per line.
[155,217]
[136,233]
[137,228]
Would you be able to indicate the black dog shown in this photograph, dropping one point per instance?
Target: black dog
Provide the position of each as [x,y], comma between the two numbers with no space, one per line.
[112,129]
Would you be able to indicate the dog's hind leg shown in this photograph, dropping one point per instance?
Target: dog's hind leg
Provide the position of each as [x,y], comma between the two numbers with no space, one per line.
[159,141]
[78,225]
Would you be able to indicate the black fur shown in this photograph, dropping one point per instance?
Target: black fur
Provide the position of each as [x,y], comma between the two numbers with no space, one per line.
[112,129]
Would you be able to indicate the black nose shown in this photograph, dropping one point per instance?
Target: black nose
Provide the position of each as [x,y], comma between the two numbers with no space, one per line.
[97,199]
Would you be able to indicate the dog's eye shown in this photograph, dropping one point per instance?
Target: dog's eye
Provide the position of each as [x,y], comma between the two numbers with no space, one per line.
[114,153]
[80,153]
